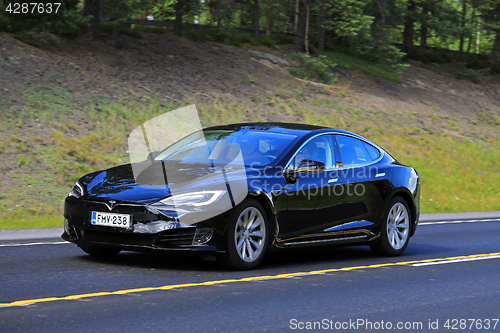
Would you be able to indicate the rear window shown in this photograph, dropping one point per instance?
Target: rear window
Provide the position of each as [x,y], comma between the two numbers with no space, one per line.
[372,151]
[355,152]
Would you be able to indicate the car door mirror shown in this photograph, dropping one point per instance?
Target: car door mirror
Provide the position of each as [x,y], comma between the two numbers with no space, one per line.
[311,165]
[152,155]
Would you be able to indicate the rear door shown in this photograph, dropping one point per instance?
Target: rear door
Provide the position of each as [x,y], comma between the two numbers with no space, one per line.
[367,183]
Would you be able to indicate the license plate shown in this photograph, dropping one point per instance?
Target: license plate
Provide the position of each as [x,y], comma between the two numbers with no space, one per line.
[111,219]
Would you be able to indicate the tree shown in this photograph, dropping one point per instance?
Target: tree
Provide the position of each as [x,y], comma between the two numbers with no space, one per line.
[464,20]
[409,26]
[300,42]
[424,24]
[256,19]
[118,13]
[179,6]
[490,13]
[350,23]
[322,17]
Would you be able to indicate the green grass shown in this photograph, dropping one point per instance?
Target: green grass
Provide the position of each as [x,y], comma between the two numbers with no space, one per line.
[19,222]
[46,166]
[349,61]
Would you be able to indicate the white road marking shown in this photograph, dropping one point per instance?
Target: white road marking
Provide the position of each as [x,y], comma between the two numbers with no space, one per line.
[460,221]
[455,261]
[29,244]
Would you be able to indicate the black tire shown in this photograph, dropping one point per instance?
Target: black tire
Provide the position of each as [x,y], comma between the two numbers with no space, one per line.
[247,237]
[394,229]
[99,251]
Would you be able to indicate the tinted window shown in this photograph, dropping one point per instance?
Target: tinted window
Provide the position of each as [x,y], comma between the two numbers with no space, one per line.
[258,148]
[353,151]
[372,151]
[318,149]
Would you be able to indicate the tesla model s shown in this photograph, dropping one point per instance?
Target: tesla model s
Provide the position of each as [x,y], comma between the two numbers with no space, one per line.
[237,192]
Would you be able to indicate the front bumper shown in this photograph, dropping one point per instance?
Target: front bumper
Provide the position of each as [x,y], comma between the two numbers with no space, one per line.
[149,232]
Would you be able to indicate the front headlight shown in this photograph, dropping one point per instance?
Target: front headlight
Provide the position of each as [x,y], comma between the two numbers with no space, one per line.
[201,198]
[76,191]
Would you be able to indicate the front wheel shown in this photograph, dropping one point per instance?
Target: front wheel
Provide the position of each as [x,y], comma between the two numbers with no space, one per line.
[395,229]
[246,236]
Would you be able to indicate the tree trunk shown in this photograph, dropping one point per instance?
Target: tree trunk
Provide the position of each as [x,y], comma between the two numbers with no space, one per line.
[288,14]
[478,36]
[306,33]
[93,9]
[178,17]
[321,29]
[495,52]
[424,26]
[86,9]
[269,21]
[409,26]
[117,15]
[462,33]
[256,19]
[218,6]
[300,34]
[296,22]
[471,33]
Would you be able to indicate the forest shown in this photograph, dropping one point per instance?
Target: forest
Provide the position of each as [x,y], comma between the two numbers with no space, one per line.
[466,32]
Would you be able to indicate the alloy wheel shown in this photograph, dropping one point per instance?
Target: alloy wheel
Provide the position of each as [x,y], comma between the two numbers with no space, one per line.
[250,234]
[398,226]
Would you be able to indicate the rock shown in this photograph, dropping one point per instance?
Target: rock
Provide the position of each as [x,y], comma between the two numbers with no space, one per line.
[272,58]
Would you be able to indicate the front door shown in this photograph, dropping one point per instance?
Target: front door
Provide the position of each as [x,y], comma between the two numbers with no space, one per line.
[315,195]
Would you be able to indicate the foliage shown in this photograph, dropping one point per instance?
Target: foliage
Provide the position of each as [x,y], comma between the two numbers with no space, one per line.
[316,69]
[350,23]
[213,34]
[37,38]
[351,61]
[476,75]
[164,10]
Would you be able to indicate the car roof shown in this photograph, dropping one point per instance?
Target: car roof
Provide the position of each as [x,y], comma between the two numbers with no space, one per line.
[290,128]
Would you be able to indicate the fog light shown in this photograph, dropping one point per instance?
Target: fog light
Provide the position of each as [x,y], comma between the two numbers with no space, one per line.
[202,235]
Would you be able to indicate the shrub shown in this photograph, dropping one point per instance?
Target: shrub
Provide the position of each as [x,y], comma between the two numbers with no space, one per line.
[313,69]
[476,75]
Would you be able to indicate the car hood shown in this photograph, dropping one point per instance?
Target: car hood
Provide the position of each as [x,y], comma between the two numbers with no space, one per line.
[151,185]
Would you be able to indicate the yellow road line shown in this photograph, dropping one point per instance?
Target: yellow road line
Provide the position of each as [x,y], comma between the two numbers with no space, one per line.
[247,279]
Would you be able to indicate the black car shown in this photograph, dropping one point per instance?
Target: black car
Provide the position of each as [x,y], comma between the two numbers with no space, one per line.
[237,191]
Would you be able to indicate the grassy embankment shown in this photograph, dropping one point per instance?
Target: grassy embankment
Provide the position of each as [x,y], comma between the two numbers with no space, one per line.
[458,173]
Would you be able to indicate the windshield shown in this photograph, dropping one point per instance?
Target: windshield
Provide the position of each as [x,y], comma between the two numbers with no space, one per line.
[219,147]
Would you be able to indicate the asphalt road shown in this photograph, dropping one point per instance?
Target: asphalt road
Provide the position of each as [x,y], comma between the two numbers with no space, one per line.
[447,280]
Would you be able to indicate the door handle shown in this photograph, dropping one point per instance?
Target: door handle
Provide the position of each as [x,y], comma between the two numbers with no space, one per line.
[278,191]
[333,180]
[380,174]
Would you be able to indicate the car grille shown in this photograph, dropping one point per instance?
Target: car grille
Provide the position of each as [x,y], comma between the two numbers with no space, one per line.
[177,237]
[119,238]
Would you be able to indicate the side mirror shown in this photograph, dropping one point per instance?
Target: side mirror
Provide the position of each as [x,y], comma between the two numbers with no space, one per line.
[310,165]
[152,155]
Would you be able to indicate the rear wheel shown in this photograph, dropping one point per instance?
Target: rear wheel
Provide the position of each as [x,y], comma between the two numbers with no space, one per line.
[99,251]
[246,236]
[395,229]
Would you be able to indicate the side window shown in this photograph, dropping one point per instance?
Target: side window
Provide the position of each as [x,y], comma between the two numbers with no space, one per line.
[319,149]
[372,151]
[354,151]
